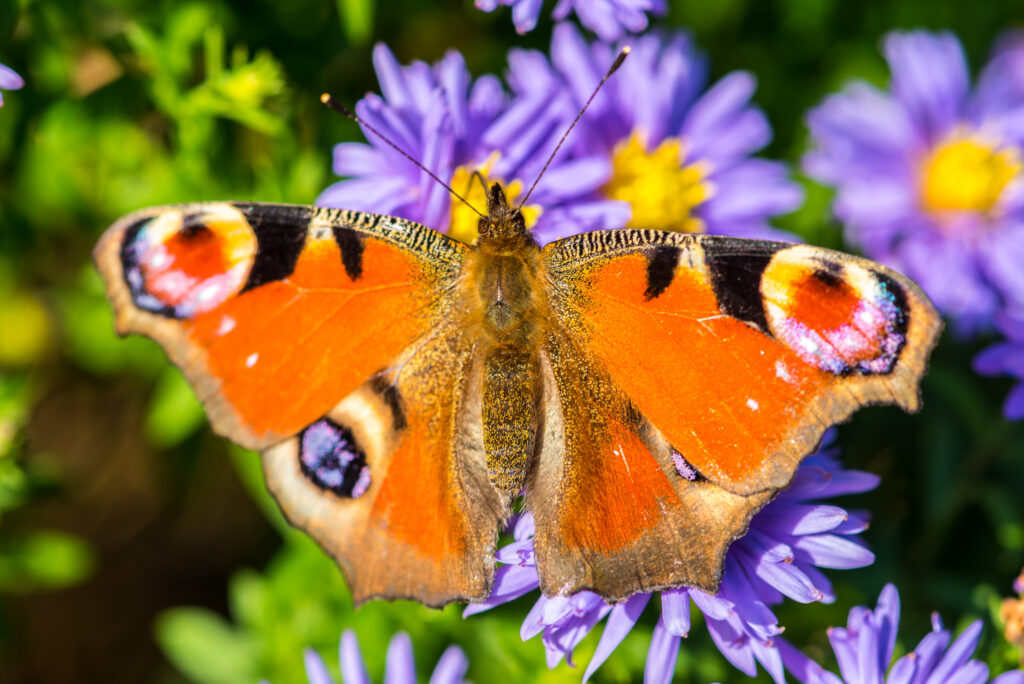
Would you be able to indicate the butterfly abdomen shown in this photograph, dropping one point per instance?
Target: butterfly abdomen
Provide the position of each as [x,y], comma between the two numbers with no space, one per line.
[509,415]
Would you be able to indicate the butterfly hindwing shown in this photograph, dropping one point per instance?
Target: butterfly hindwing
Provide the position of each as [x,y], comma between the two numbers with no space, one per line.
[616,511]
[393,481]
[275,312]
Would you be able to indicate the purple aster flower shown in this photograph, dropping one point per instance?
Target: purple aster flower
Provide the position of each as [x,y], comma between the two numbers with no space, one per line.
[928,174]
[400,667]
[609,19]
[864,650]
[780,556]
[9,80]
[680,151]
[454,126]
[1007,358]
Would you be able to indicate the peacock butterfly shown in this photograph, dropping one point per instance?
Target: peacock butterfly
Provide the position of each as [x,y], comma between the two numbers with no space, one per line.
[647,391]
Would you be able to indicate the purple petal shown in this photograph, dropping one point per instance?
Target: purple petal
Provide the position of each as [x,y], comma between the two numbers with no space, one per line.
[749,607]
[9,79]
[802,667]
[822,582]
[788,579]
[510,582]
[974,672]
[571,55]
[525,527]
[711,606]
[389,75]
[996,359]
[855,523]
[562,639]
[597,15]
[401,667]
[534,624]
[353,670]
[516,553]
[903,670]
[861,129]
[556,608]
[721,101]
[832,551]
[867,645]
[753,189]
[733,644]
[661,656]
[845,648]
[358,159]
[887,615]
[1014,677]
[1013,408]
[958,654]
[381,195]
[524,15]
[801,519]
[451,668]
[929,76]
[316,671]
[675,611]
[620,621]
[1000,256]
[930,650]
[767,653]
[1012,327]
[572,178]
[846,482]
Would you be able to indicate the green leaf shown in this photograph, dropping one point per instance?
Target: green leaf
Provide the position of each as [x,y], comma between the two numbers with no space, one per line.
[205,648]
[174,413]
[44,560]
[356,19]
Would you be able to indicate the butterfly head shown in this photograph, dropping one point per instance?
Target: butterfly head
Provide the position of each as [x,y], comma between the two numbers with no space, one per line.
[504,225]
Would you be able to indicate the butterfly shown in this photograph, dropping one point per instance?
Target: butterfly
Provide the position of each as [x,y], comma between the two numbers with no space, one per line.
[645,391]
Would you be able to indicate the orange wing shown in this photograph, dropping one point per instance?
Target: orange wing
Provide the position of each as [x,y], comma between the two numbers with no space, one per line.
[276,312]
[328,336]
[393,481]
[738,354]
[615,512]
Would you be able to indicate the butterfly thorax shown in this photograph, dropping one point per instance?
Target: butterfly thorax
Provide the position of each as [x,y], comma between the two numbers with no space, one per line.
[509,315]
[504,273]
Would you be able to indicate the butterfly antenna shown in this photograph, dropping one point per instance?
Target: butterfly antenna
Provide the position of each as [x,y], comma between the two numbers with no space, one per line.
[345,111]
[480,177]
[611,70]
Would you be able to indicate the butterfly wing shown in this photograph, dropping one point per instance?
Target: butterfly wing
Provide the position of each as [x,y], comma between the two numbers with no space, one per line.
[613,513]
[427,518]
[738,355]
[275,312]
[326,335]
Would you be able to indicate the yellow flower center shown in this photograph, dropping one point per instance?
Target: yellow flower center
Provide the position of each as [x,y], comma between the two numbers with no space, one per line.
[464,225]
[660,188]
[965,174]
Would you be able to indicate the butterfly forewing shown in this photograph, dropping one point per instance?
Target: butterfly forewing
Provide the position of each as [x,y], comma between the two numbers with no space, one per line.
[276,312]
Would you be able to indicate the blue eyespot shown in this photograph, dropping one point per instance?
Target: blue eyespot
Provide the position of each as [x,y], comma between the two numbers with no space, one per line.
[331,459]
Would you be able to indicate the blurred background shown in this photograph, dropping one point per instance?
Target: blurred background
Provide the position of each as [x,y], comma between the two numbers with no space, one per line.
[137,546]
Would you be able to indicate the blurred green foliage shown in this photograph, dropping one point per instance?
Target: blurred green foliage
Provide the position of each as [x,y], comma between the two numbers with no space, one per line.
[121,526]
